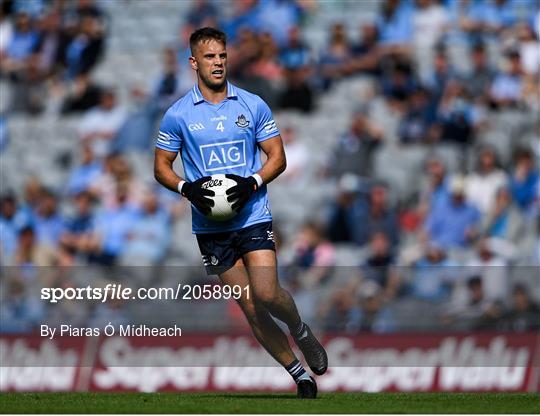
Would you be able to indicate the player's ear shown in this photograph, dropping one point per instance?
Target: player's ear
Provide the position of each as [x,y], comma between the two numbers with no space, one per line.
[193,63]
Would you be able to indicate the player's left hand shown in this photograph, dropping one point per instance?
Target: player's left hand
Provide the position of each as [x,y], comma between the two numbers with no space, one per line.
[242,191]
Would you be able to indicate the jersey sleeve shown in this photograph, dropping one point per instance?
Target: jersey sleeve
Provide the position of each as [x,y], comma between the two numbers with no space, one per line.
[169,136]
[266,126]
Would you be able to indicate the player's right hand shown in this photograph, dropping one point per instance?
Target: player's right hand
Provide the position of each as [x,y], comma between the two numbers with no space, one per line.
[198,196]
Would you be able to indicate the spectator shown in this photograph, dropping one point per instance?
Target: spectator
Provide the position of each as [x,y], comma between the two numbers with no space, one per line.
[504,225]
[479,80]
[75,239]
[314,257]
[335,59]
[456,116]
[356,148]
[297,155]
[6,31]
[167,87]
[493,270]
[524,314]
[415,126]
[266,65]
[7,226]
[100,125]
[482,185]
[376,216]
[23,43]
[83,95]
[20,313]
[27,90]
[474,311]
[245,16]
[49,224]
[529,49]
[524,180]
[296,60]
[86,173]
[443,73]
[434,275]
[373,316]
[507,87]
[278,17]
[453,222]
[364,53]
[85,8]
[398,84]
[111,230]
[53,42]
[201,14]
[341,218]
[30,253]
[435,190]
[257,65]
[148,239]
[86,48]
[341,311]
[394,24]
[12,220]
[496,15]
[429,22]
[138,130]
[379,267]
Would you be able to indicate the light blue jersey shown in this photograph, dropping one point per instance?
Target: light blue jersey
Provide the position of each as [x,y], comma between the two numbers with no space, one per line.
[220,138]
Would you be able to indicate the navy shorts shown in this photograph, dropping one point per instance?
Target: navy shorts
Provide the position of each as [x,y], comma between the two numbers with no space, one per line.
[220,251]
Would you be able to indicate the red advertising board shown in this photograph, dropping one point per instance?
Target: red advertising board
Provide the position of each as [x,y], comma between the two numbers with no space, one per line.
[214,362]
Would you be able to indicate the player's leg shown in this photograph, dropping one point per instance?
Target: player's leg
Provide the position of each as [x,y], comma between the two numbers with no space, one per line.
[262,270]
[269,335]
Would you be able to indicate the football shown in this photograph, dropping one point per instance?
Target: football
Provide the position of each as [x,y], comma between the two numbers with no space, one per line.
[222,210]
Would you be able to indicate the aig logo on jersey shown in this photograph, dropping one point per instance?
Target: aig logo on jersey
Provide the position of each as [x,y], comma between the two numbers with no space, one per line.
[219,156]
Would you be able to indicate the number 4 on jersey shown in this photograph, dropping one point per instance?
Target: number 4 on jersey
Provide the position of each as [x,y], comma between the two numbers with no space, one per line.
[220,126]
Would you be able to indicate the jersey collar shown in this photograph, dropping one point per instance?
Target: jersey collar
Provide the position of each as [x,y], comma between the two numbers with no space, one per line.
[197,96]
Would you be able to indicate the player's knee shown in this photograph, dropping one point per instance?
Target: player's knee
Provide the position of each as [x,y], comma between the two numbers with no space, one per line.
[266,298]
[250,312]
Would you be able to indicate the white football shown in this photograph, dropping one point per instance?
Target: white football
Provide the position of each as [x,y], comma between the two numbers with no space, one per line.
[222,209]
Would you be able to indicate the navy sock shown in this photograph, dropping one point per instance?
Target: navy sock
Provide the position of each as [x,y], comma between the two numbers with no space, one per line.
[296,371]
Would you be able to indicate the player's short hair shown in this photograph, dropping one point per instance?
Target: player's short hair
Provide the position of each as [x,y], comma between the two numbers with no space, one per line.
[205,34]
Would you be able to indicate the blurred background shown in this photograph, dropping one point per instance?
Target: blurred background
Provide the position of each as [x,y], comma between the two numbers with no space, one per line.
[411,201]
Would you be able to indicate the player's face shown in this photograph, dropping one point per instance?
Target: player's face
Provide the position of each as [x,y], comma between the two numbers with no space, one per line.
[210,61]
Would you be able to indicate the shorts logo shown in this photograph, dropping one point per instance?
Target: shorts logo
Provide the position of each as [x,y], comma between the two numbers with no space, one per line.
[195,127]
[242,122]
[270,235]
[219,156]
[212,261]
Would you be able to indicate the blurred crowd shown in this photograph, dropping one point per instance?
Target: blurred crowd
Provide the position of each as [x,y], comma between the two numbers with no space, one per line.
[448,246]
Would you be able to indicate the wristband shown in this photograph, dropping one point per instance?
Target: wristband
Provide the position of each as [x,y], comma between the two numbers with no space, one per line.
[258,179]
[180,185]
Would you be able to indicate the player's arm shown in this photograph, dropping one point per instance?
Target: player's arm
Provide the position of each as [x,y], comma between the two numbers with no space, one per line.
[193,191]
[276,161]
[163,169]
[275,164]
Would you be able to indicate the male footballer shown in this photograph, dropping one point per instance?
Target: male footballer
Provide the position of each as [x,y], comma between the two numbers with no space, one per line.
[221,129]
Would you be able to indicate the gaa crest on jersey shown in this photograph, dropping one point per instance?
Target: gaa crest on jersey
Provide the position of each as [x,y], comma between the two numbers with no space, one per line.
[242,122]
